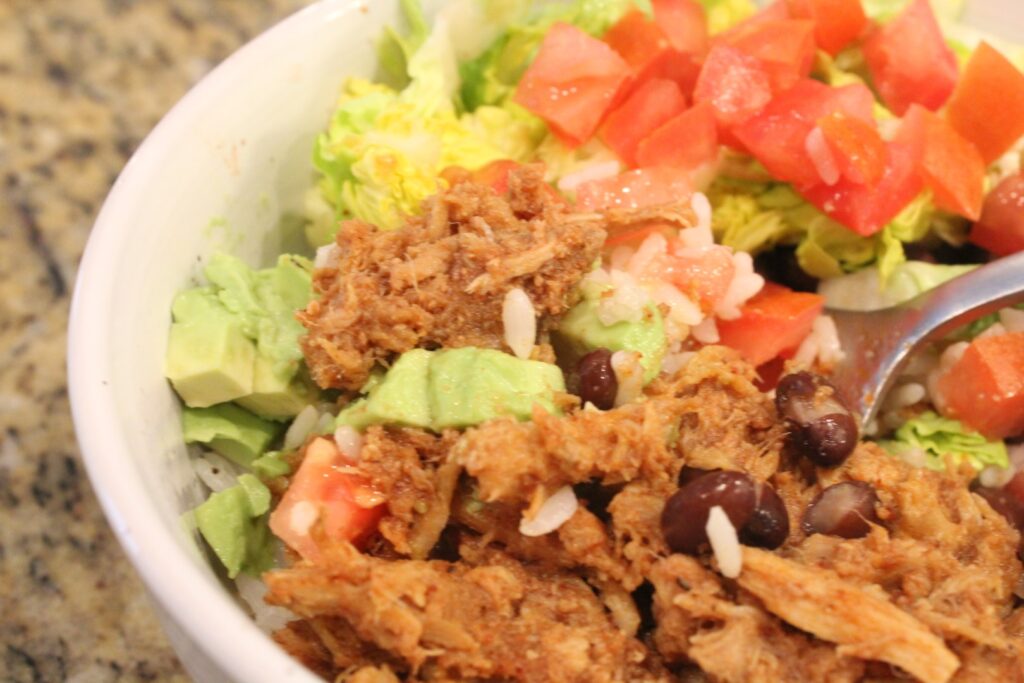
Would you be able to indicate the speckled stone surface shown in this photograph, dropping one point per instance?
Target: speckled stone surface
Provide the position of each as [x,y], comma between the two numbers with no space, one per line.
[81,83]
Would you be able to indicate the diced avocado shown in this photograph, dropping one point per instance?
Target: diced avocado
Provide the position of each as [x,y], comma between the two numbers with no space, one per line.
[354,415]
[271,464]
[581,331]
[231,431]
[276,395]
[209,358]
[401,398]
[234,524]
[469,386]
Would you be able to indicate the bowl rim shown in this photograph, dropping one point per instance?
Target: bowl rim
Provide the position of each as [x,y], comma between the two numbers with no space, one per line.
[211,620]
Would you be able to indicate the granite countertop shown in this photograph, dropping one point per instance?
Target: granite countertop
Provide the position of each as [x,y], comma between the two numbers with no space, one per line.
[81,83]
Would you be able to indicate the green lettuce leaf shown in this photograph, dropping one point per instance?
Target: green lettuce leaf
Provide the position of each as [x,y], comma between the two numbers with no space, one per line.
[865,290]
[938,437]
[724,14]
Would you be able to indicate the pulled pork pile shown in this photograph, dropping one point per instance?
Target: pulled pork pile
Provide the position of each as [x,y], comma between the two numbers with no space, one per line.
[449,589]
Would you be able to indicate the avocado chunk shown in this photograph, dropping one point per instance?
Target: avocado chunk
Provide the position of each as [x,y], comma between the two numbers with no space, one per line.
[437,390]
[469,386]
[401,397]
[581,331]
[209,358]
[238,339]
[231,431]
[276,395]
[234,524]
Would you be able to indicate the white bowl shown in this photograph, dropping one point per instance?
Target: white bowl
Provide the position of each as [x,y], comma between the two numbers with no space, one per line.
[218,172]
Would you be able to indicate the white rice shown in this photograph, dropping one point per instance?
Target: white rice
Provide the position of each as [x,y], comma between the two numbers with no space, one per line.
[706,332]
[725,544]
[994,330]
[995,477]
[650,249]
[630,375]
[627,301]
[821,156]
[598,171]
[820,347]
[674,362]
[520,321]
[947,360]
[326,255]
[349,442]
[216,471]
[702,209]
[301,427]
[553,513]
[745,284]
[269,618]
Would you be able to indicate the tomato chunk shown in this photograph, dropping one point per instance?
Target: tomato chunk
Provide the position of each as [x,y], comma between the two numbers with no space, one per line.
[634,237]
[1001,227]
[774,321]
[703,274]
[321,496]
[777,135]
[734,84]
[572,82]
[910,62]
[985,388]
[857,147]
[865,209]
[684,23]
[649,52]
[648,107]
[950,165]
[687,141]
[785,47]
[987,106]
[634,189]
[837,23]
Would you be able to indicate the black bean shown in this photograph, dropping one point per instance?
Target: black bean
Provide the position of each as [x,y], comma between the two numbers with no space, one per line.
[820,426]
[846,510]
[829,440]
[781,265]
[685,515]
[768,526]
[598,384]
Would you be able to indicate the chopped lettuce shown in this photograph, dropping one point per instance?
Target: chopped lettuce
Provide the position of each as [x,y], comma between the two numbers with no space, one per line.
[865,291]
[937,437]
[724,14]
[394,50]
[234,524]
[384,149]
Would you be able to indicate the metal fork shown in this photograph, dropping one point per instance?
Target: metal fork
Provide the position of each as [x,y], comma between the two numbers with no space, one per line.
[877,343]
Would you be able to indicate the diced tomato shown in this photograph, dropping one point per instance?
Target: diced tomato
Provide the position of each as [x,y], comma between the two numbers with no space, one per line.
[909,60]
[574,80]
[987,106]
[985,388]
[635,189]
[323,497]
[774,321]
[777,135]
[837,23]
[949,165]
[648,107]
[633,236]
[784,46]
[769,374]
[857,146]
[734,84]
[684,23]
[687,141]
[1001,227]
[702,274]
[864,209]
[650,54]
[495,174]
